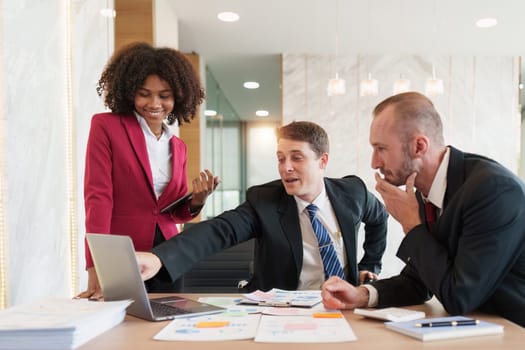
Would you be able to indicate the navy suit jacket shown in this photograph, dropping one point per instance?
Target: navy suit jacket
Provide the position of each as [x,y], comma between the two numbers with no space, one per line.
[474,258]
[270,216]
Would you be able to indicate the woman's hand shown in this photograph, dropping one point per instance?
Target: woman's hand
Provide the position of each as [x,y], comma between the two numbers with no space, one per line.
[203,186]
[93,292]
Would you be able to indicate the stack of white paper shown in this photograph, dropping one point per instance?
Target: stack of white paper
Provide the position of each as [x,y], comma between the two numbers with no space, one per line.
[57,323]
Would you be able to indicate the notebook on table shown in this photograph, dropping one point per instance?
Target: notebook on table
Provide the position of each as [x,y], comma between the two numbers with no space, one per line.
[119,278]
[417,329]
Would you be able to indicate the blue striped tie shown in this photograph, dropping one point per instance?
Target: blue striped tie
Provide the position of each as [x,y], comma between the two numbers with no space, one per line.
[332,267]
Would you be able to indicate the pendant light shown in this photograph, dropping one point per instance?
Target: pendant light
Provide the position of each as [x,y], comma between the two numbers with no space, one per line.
[337,85]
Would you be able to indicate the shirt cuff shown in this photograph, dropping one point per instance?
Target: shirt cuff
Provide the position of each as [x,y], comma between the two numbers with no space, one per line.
[372,295]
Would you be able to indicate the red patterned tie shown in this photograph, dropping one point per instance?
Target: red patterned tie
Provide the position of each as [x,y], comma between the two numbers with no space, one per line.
[430,213]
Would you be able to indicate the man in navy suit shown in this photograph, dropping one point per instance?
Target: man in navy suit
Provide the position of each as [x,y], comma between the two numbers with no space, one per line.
[286,253]
[472,257]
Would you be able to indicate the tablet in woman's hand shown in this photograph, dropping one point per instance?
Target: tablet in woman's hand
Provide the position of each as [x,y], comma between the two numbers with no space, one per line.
[179,202]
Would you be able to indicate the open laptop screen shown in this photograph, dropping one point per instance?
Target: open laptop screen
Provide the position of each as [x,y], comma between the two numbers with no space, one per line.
[120,279]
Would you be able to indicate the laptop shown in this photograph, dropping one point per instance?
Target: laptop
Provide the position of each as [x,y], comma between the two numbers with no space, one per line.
[119,277]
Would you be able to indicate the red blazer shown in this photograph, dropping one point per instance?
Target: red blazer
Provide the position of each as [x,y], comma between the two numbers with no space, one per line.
[119,197]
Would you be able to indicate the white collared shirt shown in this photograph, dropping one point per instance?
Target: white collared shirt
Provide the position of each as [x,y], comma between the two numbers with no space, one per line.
[436,195]
[312,272]
[159,155]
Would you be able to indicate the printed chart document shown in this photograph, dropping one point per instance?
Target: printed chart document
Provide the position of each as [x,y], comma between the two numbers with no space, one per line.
[321,328]
[58,323]
[413,329]
[280,325]
[216,327]
[286,298]
[232,305]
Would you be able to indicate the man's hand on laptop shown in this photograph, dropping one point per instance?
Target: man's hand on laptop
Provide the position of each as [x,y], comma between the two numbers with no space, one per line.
[149,264]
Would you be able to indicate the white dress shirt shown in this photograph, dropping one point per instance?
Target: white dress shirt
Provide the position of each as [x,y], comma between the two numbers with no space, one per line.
[159,155]
[312,273]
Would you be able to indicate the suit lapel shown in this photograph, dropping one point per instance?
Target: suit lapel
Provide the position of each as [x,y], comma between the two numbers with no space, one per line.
[347,227]
[138,143]
[421,203]
[455,174]
[291,228]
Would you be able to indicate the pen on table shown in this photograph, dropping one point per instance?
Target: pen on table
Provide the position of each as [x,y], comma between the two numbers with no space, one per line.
[448,323]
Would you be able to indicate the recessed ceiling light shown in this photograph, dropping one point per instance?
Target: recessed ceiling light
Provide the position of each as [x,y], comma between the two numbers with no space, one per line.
[262,113]
[228,16]
[486,22]
[251,84]
[210,113]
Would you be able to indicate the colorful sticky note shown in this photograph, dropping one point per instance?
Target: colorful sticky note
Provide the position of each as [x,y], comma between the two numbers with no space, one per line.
[328,315]
[211,324]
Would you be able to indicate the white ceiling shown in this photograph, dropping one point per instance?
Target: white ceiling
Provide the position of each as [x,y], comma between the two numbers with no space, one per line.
[249,49]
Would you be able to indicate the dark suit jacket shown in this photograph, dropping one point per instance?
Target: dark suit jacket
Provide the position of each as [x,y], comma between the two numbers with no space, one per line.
[474,258]
[270,216]
[118,184]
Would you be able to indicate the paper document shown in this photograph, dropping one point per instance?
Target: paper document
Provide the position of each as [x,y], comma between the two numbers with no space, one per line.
[280,325]
[217,327]
[286,298]
[304,329]
[233,307]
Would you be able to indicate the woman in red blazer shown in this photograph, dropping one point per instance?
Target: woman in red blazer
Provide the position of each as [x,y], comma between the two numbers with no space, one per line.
[135,166]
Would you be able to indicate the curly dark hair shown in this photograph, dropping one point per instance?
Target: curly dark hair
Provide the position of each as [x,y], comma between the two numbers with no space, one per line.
[128,69]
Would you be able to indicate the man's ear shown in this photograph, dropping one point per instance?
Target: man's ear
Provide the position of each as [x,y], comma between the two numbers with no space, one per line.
[323,161]
[420,145]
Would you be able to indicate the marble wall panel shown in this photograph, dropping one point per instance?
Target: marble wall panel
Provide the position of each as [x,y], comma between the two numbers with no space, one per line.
[93,45]
[44,43]
[35,75]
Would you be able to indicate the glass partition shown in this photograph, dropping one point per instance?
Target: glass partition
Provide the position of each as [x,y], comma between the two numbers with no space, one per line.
[223,148]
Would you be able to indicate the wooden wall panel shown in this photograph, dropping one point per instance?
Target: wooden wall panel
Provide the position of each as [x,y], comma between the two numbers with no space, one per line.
[190,133]
[134,22]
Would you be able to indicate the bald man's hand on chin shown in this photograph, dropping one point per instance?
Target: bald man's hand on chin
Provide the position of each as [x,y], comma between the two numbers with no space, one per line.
[401,204]
[339,294]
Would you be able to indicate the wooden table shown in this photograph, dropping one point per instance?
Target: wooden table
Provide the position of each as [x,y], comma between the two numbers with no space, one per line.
[135,333]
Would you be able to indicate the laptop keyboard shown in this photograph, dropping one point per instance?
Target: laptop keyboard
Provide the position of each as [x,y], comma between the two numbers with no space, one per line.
[160,309]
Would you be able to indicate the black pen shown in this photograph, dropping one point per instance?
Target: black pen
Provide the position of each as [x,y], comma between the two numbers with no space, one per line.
[448,323]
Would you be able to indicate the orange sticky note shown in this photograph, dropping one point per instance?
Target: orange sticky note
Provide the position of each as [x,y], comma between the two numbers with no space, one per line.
[327,315]
[211,324]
